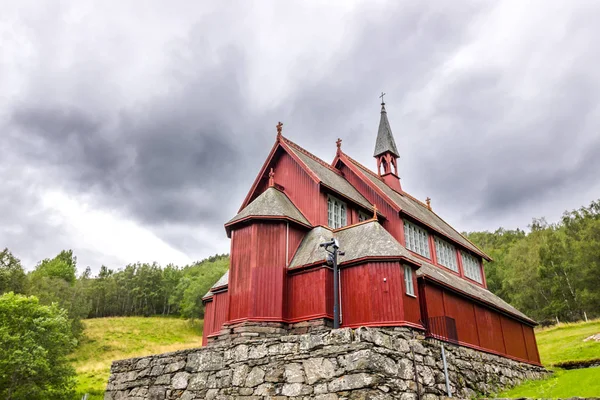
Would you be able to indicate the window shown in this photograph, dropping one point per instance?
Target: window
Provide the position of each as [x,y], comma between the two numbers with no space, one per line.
[446,254]
[417,239]
[472,267]
[408,281]
[362,216]
[336,212]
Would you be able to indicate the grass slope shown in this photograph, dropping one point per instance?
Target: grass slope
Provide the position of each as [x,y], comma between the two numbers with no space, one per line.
[564,343]
[109,339]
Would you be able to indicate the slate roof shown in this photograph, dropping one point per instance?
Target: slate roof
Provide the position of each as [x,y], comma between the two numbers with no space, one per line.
[372,240]
[465,286]
[328,176]
[368,239]
[224,280]
[385,139]
[272,203]
[419,211]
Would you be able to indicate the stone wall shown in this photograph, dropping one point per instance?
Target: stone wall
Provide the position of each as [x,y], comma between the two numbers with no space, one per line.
[366,363]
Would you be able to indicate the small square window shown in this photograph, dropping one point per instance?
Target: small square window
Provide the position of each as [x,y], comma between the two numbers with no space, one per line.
[336,213]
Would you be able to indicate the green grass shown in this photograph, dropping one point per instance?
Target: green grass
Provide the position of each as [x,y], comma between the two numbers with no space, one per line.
[564,343]
[109,339]
[576,382]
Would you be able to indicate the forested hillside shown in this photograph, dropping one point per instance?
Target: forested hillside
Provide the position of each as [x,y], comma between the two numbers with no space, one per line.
[135,290]
[552,270]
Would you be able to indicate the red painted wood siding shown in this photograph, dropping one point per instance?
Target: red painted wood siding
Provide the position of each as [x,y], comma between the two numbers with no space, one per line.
[296,234]
[221,309]
[268,272]
[531,344]
[368,299]
[480,326]
[215,315]
[393,223]
[462,311]
[209,316]
[306,295]
[240,273]
[412,309]
[513,338]
[257,273]
[489,329]
[299,187]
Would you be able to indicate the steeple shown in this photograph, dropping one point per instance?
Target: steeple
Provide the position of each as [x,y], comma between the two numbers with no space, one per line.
[386,152]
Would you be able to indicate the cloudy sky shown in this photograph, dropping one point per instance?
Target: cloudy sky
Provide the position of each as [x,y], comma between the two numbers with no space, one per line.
[131,131]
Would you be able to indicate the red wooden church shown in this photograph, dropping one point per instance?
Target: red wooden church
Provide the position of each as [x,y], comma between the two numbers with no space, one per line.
[403,264]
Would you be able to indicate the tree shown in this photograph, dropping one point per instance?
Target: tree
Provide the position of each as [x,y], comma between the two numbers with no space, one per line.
[12,275]
[34,342]
[63,266]
[54,281]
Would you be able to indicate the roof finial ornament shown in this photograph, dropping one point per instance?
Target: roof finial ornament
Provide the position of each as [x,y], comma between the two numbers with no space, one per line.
[339,145]
[271,178]
[428,201]
[279,128]
[374,211]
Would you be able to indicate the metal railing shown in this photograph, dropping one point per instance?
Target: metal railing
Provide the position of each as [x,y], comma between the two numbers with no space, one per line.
[442,328]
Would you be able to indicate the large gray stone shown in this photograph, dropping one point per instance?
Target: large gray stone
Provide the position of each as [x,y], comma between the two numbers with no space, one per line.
[180,380]
[353,381]
[255,377]
[317,369]
[293,373]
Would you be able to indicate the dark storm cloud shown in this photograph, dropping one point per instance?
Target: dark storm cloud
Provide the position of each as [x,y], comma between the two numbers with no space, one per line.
[182,152]
[170,160]
[498,154]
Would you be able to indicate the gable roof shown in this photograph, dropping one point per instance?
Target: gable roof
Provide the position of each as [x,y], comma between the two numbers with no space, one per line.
[223,280]
[370,239]
[328,175]
[414,208]
[271,203]
[385,139]
[363,240]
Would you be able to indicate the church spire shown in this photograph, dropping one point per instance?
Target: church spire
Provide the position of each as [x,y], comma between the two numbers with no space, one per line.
[385,139]
[386,152]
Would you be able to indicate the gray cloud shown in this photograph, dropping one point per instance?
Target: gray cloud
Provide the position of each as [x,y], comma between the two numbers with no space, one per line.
[164,124]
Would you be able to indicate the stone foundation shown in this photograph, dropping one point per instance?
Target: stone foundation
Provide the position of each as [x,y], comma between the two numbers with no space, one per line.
[366,363]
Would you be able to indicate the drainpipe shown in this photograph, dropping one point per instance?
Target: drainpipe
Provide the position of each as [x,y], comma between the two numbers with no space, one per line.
[446,372]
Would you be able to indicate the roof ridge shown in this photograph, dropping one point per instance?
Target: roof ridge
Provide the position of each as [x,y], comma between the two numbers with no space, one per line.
[354,225]
[362,166]
[311,155]
[403,193]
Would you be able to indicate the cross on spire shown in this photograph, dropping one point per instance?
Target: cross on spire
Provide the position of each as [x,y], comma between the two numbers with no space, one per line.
[381,97]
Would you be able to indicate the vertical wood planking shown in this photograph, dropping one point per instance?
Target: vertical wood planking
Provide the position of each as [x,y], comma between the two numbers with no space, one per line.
[306,294]
[209,315]
[240,278]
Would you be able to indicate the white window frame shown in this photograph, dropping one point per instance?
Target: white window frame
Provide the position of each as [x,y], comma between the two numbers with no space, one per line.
[417,239]
[337,212]
[446,254]
[408,281]
[471,267]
